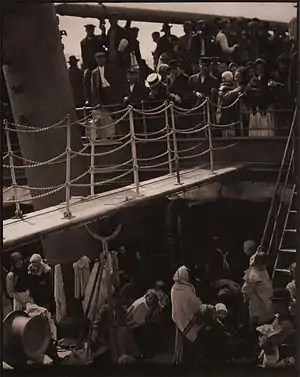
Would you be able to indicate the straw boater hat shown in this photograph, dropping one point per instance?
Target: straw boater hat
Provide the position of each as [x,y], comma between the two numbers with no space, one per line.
[152,80]
[24,337]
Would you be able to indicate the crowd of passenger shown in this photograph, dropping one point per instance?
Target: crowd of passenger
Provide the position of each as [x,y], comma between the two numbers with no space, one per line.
[203,314]
[246,67]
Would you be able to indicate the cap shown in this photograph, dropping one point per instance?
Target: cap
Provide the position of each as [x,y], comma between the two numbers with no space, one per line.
[102,52]
[89,26]
[166,25]
[35,258]
[72,58]
[204,61]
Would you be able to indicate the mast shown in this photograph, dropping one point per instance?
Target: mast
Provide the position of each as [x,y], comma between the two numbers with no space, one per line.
[40,94]
[136,14]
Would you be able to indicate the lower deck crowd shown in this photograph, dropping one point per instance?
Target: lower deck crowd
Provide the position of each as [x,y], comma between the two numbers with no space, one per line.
[200,314]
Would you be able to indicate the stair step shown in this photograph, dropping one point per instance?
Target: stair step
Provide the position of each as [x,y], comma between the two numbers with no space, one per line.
[283,270]
[287,250]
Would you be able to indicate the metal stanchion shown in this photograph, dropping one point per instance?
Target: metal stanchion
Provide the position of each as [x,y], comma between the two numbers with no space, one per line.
[92,161]
[67,213]
[133,152]
[18,211]
[144,122]
[211,150]
[168,139]
[175,147]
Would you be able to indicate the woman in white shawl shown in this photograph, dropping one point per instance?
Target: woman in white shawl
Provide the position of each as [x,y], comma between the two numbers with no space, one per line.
[188,313]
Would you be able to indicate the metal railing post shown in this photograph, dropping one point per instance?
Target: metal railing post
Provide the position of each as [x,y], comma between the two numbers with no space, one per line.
[18,211]
[168,139]
[134,152]
[175,146]
[67,213]
[144,122]
[211,150]
[92,160]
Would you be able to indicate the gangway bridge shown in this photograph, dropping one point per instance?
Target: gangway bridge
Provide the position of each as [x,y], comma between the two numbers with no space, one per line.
[137,154]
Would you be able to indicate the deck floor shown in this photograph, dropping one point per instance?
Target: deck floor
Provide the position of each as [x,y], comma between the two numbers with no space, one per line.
[83,210]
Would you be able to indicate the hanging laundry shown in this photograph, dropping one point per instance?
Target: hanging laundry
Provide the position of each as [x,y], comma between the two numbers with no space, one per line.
[107,284]
[59,294]
[81,276]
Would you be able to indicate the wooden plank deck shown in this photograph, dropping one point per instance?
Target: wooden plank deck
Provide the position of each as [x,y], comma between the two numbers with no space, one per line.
[84,210]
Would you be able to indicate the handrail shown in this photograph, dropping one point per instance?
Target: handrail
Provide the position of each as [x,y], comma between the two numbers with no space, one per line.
[273,201]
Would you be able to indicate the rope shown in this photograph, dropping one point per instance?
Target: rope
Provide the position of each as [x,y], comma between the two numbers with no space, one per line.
[103,153]
[156,165]
[113,167]
[224,125]
[226,147]
[80,176]
[39,188]
[189,110]
[104,182]
[35,197]
[195,155]
[192,132]
[226,107]
[107,125]
[154,157]
[152,133]
[154,139]
[37,164]
[35,128]
[192,128]
[192,148]
[146,112]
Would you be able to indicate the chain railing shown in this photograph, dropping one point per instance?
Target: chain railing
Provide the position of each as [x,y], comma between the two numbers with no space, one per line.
[123,132]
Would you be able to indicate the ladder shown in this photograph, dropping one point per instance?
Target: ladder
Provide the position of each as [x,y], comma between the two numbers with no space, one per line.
[287,247]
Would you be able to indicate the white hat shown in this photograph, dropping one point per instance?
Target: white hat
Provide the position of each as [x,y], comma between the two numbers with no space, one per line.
[35,258]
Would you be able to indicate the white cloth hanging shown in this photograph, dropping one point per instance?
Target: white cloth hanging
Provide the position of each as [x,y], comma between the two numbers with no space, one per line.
[106,284]
[81,276]
[59,294]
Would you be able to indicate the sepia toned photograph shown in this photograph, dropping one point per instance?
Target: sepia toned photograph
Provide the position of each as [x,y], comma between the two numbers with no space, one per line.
[150,170]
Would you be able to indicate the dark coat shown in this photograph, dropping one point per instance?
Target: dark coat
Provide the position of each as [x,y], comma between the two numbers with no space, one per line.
[206,87]
[89,46]
[138,94]
[76,80]
[120,34]
[103,96]
[165,44]
[181,87]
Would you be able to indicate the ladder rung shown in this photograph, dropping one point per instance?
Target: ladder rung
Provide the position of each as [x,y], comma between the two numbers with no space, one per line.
[291,230]
[293,211]
[283,270]
[287,250]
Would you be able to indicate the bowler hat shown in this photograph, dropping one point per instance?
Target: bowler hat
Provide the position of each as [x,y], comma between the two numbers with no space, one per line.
[152,80]
[72,58]
[24,337]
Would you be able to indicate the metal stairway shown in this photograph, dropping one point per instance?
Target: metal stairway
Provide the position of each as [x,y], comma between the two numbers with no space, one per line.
[287,247]
[279,236]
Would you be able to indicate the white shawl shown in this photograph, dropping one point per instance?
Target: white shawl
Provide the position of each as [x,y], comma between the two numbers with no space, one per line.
[59,294]
[185,304]
[81,276]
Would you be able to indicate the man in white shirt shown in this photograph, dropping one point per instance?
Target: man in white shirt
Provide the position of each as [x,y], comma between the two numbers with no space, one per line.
[101,81]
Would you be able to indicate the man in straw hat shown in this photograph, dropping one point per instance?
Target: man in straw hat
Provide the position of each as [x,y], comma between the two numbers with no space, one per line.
[157,89]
